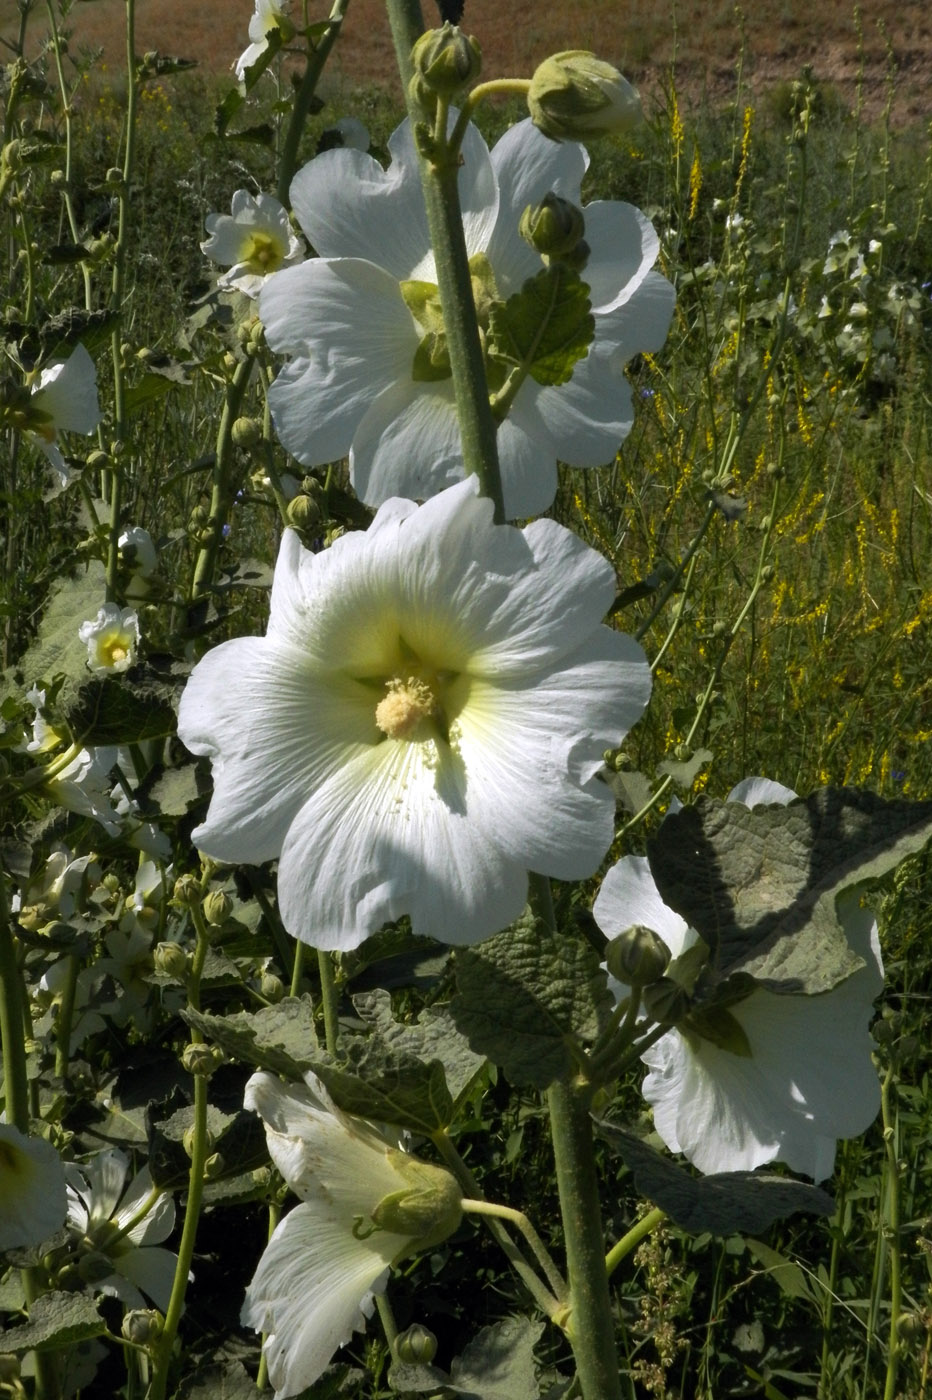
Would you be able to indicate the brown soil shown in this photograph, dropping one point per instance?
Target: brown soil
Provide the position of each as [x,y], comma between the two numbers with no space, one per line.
[846,56]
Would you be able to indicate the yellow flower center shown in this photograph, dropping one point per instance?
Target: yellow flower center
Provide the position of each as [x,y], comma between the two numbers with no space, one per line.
[262,253]
[407,703]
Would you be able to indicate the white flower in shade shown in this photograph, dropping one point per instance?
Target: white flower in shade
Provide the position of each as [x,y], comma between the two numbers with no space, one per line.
[254,240]
[799,1075]
[268,16]
[111,639]
[66,395]
[365,1205]
[124,1223]
[32,1189]
[138,548]
[343,320]
[422,724]
[352,132]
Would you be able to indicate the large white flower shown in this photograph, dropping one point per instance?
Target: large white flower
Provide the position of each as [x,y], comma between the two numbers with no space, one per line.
[343,320]
[314,1284]
[254,240]
[67,395]
[422,724]
[125,1225]
[268,16]
[808,1078]
[32,1189]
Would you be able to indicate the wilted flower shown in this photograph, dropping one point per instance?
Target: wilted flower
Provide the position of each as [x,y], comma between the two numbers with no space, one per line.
[66,397]
[574,96]
[268,16]
[256,238]
[422,724]
[358,380]
[366,1204]
[785,1075]
[32,1189]
[123,1225]
[112,639]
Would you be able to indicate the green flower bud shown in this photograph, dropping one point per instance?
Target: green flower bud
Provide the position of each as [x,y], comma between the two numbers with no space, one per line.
[553,227]
[187,890]
[171,960]
[69,1279]
[271,987]
[189,1139]
[574,96]
[143,1326]
[638,956]
[445,61]
[427,1210]
[416,1346]
[909,1327]
[200,1059]
[218,906]
[304,513]
[98,461]
[666,1002]
[246,432]
[215,1166]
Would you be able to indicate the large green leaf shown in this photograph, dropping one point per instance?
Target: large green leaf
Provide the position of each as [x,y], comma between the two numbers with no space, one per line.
[56,1320]
[759,885]
[377,1082]
[279,1038]
[433,1036]
[546,327]
[526,998]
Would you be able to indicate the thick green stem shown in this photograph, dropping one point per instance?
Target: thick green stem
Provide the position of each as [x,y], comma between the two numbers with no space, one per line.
[892,1226]
[222,487]
[328,993]
[305,95]
[15,1080]
[439,179]
[66,1017]
[632,1239]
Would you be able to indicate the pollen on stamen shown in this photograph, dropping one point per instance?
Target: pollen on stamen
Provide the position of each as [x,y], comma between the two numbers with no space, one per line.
[406,704]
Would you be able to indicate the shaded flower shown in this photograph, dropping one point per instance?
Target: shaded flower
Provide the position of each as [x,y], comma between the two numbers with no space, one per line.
[422,724]
[268,16]
[366,1204]
[123,1224]
[797,1074]
[352,384]
[111,639]
[253,241]
[66,396]
[139,551]
[32,1189]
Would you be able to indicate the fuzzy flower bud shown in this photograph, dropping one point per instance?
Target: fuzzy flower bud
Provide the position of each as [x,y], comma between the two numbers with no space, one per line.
[416,1346]
[200,1059]
[574,96]
[218,906]
[304,513]
[143,1326]
[553,227]
[171,959]
[445,61]
[246,432]
[638,956]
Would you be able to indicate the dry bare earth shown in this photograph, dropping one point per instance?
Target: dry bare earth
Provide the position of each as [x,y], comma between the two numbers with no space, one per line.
[641,37]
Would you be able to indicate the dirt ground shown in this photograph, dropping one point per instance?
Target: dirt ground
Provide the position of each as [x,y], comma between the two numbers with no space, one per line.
[847,50]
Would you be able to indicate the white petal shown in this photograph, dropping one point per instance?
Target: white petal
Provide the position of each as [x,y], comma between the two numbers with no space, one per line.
[407,443]
[33,1200]
[106,1174]
[624,249]
[68,391]
[308,1290]
[152,1271]
[630,896]
[756,792]
[528,471]
[350,335]
[527,167]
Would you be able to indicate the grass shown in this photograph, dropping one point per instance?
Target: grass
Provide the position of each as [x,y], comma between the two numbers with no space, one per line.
[789,620]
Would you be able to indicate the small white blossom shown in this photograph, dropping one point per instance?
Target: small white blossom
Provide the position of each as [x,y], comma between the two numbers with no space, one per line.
[111,639]
[32,1189]
[101,1205]
[422,724]
[67,394]
[807,1077]
[268,16]
[254,240]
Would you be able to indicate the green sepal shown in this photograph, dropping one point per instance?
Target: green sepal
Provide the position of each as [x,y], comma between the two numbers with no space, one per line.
[720,1028]
[546,328]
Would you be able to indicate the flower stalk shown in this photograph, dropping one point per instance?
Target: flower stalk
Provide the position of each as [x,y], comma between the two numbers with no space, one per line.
[304,96]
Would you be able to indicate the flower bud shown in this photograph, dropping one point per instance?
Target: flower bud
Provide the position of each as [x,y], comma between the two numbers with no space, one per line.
[246,432]
[187,890]
[428,1209]
[638,956]
[171,959]
[215,1166]
[666,1002]
[218,906]
[416,1346]
[574,95]
[271,987]
[189,1139]
[553,227]
[200,1059]
[445,61]
[304,513]
[143,1326]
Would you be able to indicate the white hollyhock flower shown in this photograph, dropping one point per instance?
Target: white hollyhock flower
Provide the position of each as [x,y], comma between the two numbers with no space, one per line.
[268,16]
[139,550]
[255,239]
[101,1207]
[111,639]
[422,724]
[342,319]
[365,1205]
[67,394]
[32,1189]
[808,1078]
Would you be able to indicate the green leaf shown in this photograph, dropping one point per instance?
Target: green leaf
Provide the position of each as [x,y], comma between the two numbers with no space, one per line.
[377,1082]
[789,1276]
[58,650]
[223,1380]
[499,1363]
[175,791]
[153,385]
[685,774]
[279,1038]
[759,885]
[725,1203]
[526,997]
[125,709]
[433,1037]
[546,327]
[56,1320]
